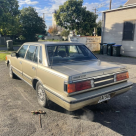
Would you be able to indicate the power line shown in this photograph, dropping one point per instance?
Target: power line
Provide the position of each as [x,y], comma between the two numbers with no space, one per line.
[95,10]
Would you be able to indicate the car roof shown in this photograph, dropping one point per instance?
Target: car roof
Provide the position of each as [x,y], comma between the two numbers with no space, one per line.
[55,43]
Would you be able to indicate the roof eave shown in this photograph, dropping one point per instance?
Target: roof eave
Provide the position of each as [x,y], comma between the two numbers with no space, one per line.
[124,7]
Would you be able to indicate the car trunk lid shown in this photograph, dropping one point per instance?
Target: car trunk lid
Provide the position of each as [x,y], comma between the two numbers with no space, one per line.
[88,69]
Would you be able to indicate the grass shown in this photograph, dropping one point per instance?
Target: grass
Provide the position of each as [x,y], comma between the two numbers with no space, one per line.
[18,45]
[2,46]
[3,54]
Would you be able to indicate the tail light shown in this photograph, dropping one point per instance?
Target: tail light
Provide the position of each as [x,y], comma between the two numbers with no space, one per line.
[121,76]
[79,86]
[6,58]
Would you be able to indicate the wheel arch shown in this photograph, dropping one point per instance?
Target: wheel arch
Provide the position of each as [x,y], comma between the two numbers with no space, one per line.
[34,82]
[8,62]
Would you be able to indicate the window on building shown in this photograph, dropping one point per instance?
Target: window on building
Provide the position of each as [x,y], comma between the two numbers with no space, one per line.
[129,29]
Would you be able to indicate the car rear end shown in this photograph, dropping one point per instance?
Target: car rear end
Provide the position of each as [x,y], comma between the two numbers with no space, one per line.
[96,89]
[89,81]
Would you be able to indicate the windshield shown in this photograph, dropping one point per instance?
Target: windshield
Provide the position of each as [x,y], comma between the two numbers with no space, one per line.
[68,53]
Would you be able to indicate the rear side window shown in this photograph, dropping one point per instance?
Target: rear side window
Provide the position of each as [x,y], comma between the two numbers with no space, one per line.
[40,55]
[22,51]
[32,53]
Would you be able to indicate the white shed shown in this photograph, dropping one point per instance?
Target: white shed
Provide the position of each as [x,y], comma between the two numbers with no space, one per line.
[119,26]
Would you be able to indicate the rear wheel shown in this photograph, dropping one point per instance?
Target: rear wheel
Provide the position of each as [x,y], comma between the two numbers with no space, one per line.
[41,95]
[11,74]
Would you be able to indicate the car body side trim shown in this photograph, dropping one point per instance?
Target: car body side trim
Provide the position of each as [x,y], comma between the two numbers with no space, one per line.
[23,80]
[16,69]
[28,77]
[87,98]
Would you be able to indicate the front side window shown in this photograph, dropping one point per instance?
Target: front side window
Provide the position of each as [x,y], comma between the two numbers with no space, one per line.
[128,31]
[22,51]
[68,53]
[32,53]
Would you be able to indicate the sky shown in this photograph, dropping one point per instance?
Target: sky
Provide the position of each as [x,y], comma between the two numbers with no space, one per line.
[48,6]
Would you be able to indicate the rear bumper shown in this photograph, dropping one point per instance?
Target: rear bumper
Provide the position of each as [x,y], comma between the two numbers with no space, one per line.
[89,98]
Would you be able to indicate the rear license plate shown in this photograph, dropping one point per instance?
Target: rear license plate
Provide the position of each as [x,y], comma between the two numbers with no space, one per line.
[104,98]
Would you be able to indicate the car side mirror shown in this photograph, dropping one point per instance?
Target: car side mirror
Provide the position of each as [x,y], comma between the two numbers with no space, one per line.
[14,54]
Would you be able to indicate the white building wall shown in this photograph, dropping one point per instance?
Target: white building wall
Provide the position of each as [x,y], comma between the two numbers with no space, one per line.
[113,30]
[54,24]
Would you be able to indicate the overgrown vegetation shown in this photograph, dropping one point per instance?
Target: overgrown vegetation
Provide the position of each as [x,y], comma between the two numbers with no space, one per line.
[99,25]
[73,16]
[65,33]
[53,30]
[23,24]
[9,18]
[31,24]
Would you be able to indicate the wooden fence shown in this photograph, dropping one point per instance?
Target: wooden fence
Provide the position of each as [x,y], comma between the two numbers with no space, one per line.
[92,42]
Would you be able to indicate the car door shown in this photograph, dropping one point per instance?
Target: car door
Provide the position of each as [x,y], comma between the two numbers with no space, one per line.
[30,64]
[16,62]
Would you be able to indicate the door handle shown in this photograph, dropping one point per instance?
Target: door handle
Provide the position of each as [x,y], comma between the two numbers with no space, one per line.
[33,68]
[20,62]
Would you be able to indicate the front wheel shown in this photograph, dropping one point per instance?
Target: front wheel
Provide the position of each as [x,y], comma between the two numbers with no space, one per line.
[11,74]
[41,95]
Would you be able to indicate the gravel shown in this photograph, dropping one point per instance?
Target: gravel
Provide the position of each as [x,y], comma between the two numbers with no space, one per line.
[17,100]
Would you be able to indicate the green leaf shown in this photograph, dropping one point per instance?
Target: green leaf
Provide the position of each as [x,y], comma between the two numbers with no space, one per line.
[73,16]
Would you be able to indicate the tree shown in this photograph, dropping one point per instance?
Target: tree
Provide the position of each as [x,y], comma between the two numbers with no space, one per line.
[53,30]
[65,33]
[120,6]
[99,25]
[31,24]
[50,29]
[73,16]
[9,17]
[1,8]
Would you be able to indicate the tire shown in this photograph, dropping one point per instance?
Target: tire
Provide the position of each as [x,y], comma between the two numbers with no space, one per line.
[41,95]
[11,74]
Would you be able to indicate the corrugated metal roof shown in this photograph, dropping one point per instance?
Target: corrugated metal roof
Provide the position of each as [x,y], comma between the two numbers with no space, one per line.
[130,2]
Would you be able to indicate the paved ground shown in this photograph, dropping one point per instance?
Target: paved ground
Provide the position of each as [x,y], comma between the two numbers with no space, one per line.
[17,100]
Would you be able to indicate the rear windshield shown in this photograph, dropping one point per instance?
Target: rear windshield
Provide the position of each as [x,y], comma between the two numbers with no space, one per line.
[68,53]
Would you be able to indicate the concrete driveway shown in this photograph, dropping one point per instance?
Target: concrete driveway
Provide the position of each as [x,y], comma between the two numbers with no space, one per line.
[17,100]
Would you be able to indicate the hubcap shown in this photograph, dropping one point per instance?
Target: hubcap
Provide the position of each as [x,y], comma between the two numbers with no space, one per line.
[41,93]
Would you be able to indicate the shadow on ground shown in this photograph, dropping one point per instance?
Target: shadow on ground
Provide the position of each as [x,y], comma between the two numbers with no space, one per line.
[118,114]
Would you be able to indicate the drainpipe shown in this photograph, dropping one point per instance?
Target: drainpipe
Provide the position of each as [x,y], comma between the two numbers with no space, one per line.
[103,27]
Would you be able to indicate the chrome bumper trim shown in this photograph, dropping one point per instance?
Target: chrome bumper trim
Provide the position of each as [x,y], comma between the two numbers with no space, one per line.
[87,98]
